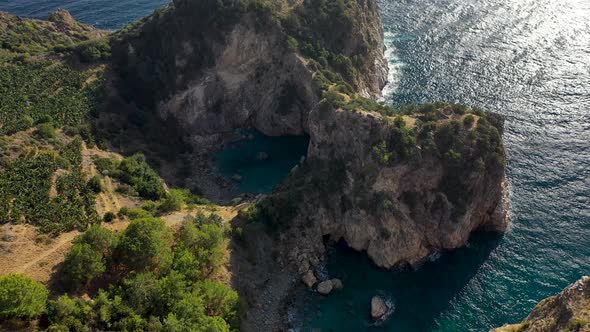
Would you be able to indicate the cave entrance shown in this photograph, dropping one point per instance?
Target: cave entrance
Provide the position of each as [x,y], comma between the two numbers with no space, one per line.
[257,163]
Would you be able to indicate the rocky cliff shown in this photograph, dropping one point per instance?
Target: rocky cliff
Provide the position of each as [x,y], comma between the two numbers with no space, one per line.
[398,185]
[566,311]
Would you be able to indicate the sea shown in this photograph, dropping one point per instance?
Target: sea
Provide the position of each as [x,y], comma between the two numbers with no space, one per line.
[526,59]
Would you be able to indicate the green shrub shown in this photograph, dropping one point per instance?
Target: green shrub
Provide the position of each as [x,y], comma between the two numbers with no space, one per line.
[134,213]
[93,50]
[44,118]
[174,201]
[219,300]
[468,120]
[21,297]
[125,189]
[45,130]
[66,314]
[106,166]
[94,184]
[136,172]
[293,44]
[202,238]
[109,216]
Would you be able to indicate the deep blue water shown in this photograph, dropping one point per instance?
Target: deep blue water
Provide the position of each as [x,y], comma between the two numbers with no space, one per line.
[103,14]
[526,59]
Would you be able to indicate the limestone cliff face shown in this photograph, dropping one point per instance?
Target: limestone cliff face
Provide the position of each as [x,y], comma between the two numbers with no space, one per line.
[215,77]
[399,213]
[566,311]
[400,192]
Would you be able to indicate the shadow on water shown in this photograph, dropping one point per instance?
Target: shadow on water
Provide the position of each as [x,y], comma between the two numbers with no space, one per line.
[419,297]
[257,163]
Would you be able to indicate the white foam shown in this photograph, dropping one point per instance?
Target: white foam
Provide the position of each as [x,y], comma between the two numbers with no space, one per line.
[394,64]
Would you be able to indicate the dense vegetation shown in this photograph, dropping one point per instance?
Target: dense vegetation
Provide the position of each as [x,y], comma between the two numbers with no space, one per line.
[466,140]
[321,29]
[36,82]
[163,281]
[25,185]
[32,90]
[21,297]
[135,172]
[165,284]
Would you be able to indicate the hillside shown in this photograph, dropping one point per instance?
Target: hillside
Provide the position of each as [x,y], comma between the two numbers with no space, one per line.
[108,141]
[566,311]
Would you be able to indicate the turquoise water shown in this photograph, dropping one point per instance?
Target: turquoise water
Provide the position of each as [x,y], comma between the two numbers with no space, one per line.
[530,61]
[526,59]
[260,174]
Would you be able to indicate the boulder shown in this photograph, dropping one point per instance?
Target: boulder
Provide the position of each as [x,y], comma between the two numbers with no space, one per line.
[337,284]
[378,308]
[325,287]
[309,279]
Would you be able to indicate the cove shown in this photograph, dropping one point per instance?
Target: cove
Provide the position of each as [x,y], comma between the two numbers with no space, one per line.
[418,297]
[258,163]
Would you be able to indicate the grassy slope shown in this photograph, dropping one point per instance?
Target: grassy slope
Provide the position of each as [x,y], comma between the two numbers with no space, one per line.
[50,74]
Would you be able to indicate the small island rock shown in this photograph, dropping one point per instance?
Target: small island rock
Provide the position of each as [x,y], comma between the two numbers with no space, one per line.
[378,308]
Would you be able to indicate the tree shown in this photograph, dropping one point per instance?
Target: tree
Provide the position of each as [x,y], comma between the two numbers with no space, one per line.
[83,263]
[146,245]
[21,297]
[99,238]
[140,292]
[204,242]
[136,172]
[219,300]
[66,314]
[173,202]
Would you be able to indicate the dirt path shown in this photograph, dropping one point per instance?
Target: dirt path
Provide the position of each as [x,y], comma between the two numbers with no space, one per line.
[64,240]
[24,250]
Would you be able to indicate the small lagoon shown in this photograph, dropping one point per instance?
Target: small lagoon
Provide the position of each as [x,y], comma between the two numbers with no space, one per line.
[258,163]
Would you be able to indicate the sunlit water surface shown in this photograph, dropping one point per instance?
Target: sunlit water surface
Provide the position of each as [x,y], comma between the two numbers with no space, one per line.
[526,59]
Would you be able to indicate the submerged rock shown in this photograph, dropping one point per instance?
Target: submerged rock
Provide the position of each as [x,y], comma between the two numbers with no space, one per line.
[261,156]
[379,308]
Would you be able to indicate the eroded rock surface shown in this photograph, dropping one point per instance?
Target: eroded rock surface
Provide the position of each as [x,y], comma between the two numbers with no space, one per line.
[566,311]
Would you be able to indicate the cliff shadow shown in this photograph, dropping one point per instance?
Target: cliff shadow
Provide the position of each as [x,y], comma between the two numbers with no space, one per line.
[258,275]
[419,297]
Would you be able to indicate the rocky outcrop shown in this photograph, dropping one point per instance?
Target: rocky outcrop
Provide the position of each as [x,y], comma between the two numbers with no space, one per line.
[398,187]
[399,211]
[327,286]
[567,311]
[379,308]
